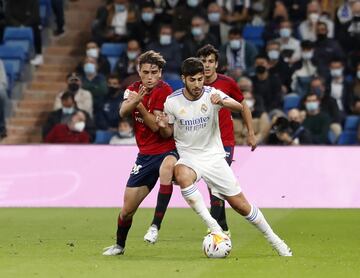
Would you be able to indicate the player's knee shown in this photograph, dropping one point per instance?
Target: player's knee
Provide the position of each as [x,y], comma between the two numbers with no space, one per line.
[126,214]
[181,176]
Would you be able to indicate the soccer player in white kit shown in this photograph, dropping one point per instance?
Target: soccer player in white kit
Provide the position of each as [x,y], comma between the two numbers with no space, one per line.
[191,116]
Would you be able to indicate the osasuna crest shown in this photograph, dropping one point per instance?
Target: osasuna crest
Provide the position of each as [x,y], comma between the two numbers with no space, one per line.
[204,108]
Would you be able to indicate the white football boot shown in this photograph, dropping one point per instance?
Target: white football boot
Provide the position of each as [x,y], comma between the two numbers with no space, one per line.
[114,250]
[152,234]
[281,247]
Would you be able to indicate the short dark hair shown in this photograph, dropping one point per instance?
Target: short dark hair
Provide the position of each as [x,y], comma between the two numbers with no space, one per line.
[262,56]
[323,23]
[235,31]
[113,76]
[192,66]
[67,95]
[337,60]
[310,95]
[207,50]
[306,44]
[153,58]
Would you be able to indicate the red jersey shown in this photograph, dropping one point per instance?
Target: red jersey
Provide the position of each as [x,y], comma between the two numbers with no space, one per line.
[62,134]
[150,142]
[229,87]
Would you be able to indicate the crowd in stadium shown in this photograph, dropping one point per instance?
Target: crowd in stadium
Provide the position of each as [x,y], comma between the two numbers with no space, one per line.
[297,63]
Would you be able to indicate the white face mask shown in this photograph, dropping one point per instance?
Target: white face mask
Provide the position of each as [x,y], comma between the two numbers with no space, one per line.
[336,72]
[68,110]
[165,39]
[93,53]
[214,17]
[79,126]
[307,55]
[314,17]
[250,103]
[273,54]
[235,44]
[285,32]
[358,74]
[132,55]
[192,3]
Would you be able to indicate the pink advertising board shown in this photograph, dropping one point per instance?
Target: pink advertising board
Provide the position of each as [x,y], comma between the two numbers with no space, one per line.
[95,176]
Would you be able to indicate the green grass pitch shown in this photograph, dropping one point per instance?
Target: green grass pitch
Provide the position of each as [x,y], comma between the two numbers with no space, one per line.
[69,242]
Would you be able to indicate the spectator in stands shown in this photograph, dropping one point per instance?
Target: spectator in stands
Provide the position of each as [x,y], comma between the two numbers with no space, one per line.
[26,13]
[296,10]
[327,104]
[353,40]
[259,11]
[165,10]
[126,65]
[94,82]
[198,38]
[114,21]
[316,121]
[307,28]
[289,46]
[294,115]
[82,97]
[63,116]
[267,86]
[183,15]
[146,30]
[301,78]
[355,103]
[93,51]
[278,65]
[343,18]
[235,11]
[169,48]
[260,123]
[272,27]
[125,134]
[71,133]
[3,99]
[108,118]
[58,9]
[326,49]
[239,53]
[214,17]
[2,17]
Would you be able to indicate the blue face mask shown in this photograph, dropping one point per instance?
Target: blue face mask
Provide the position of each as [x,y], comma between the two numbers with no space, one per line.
[235,44]
[192,3]
[147,17]
[68,110]
[89,68]
[165,39]
[132,55]
[312,106]
[273,54]
[285,32]
[119,8]
[214,17]
[196,31]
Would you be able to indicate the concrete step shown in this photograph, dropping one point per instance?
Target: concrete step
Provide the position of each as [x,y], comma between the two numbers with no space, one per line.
[71,38]
[63,50]
[63,60]
[21,139]
[22,130]
[55,68]
[40,95]
[27,121]
[47,86]
[41,105]
[50,77]
[31,113]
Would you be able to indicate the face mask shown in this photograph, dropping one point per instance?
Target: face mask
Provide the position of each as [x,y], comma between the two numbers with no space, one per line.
[112,90]
[358,74]
[192,3]
[260,69]
[119,8]
[273,54]
[336,72]
[147,17]
[314,17]
[125,134]
[89,68]
[214,17]
[312,106]
[132,55]
[356,18]
[79,126]
[307,55]
[235,44]
[68,110]
[321,37]
[73,87]
[93,53]
[165,39]
[196,31]
[250,103]
[285,32]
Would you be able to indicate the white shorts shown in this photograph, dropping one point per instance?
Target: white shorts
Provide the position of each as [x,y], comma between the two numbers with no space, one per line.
[216,173]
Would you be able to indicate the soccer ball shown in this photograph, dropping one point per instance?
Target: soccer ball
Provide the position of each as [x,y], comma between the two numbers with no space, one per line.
[216,245]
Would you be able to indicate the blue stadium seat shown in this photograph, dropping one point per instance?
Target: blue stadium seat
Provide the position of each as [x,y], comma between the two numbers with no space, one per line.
[352,122]
[291,101]
[45,12]
[175,84]
[14,55]
[103,136]
[112,51]
[348,137]
[19,36]
[10,76]
[254,35]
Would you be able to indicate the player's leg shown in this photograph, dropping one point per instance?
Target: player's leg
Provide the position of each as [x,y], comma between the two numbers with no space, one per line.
[163,199]
[185,178]
[217,209]
[251,213]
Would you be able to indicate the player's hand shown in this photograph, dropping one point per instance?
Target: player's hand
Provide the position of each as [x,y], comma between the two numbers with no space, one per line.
[251,140]
[216,99]
[162,120]
[137,97]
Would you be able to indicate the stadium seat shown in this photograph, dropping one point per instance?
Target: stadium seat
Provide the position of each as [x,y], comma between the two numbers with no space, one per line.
[348,137]
[291,101]
[14,55]
[352,123]
[112,51]
[254,35]
[175,84]
[20,36]
[45,12]
[103,136]
[10,76]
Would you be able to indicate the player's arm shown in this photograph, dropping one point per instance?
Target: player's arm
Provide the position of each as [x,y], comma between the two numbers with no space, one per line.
[246,115]
[165,128]
[149,118]
[133,99]
[223,100]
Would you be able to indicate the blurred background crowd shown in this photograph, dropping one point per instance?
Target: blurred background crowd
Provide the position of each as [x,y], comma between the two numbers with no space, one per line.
[297,63]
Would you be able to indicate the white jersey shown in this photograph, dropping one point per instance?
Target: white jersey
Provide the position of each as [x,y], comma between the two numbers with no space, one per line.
[196,124]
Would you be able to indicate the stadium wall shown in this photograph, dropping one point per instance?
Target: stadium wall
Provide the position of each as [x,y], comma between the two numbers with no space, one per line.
[95,176]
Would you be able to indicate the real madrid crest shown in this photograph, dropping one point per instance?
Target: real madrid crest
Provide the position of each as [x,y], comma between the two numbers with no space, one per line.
[204,108]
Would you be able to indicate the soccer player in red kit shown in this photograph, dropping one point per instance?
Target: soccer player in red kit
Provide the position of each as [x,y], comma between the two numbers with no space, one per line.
[144,100]
[209,56]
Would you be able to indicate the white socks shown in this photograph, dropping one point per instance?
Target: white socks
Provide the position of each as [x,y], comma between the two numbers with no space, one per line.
[195,200]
